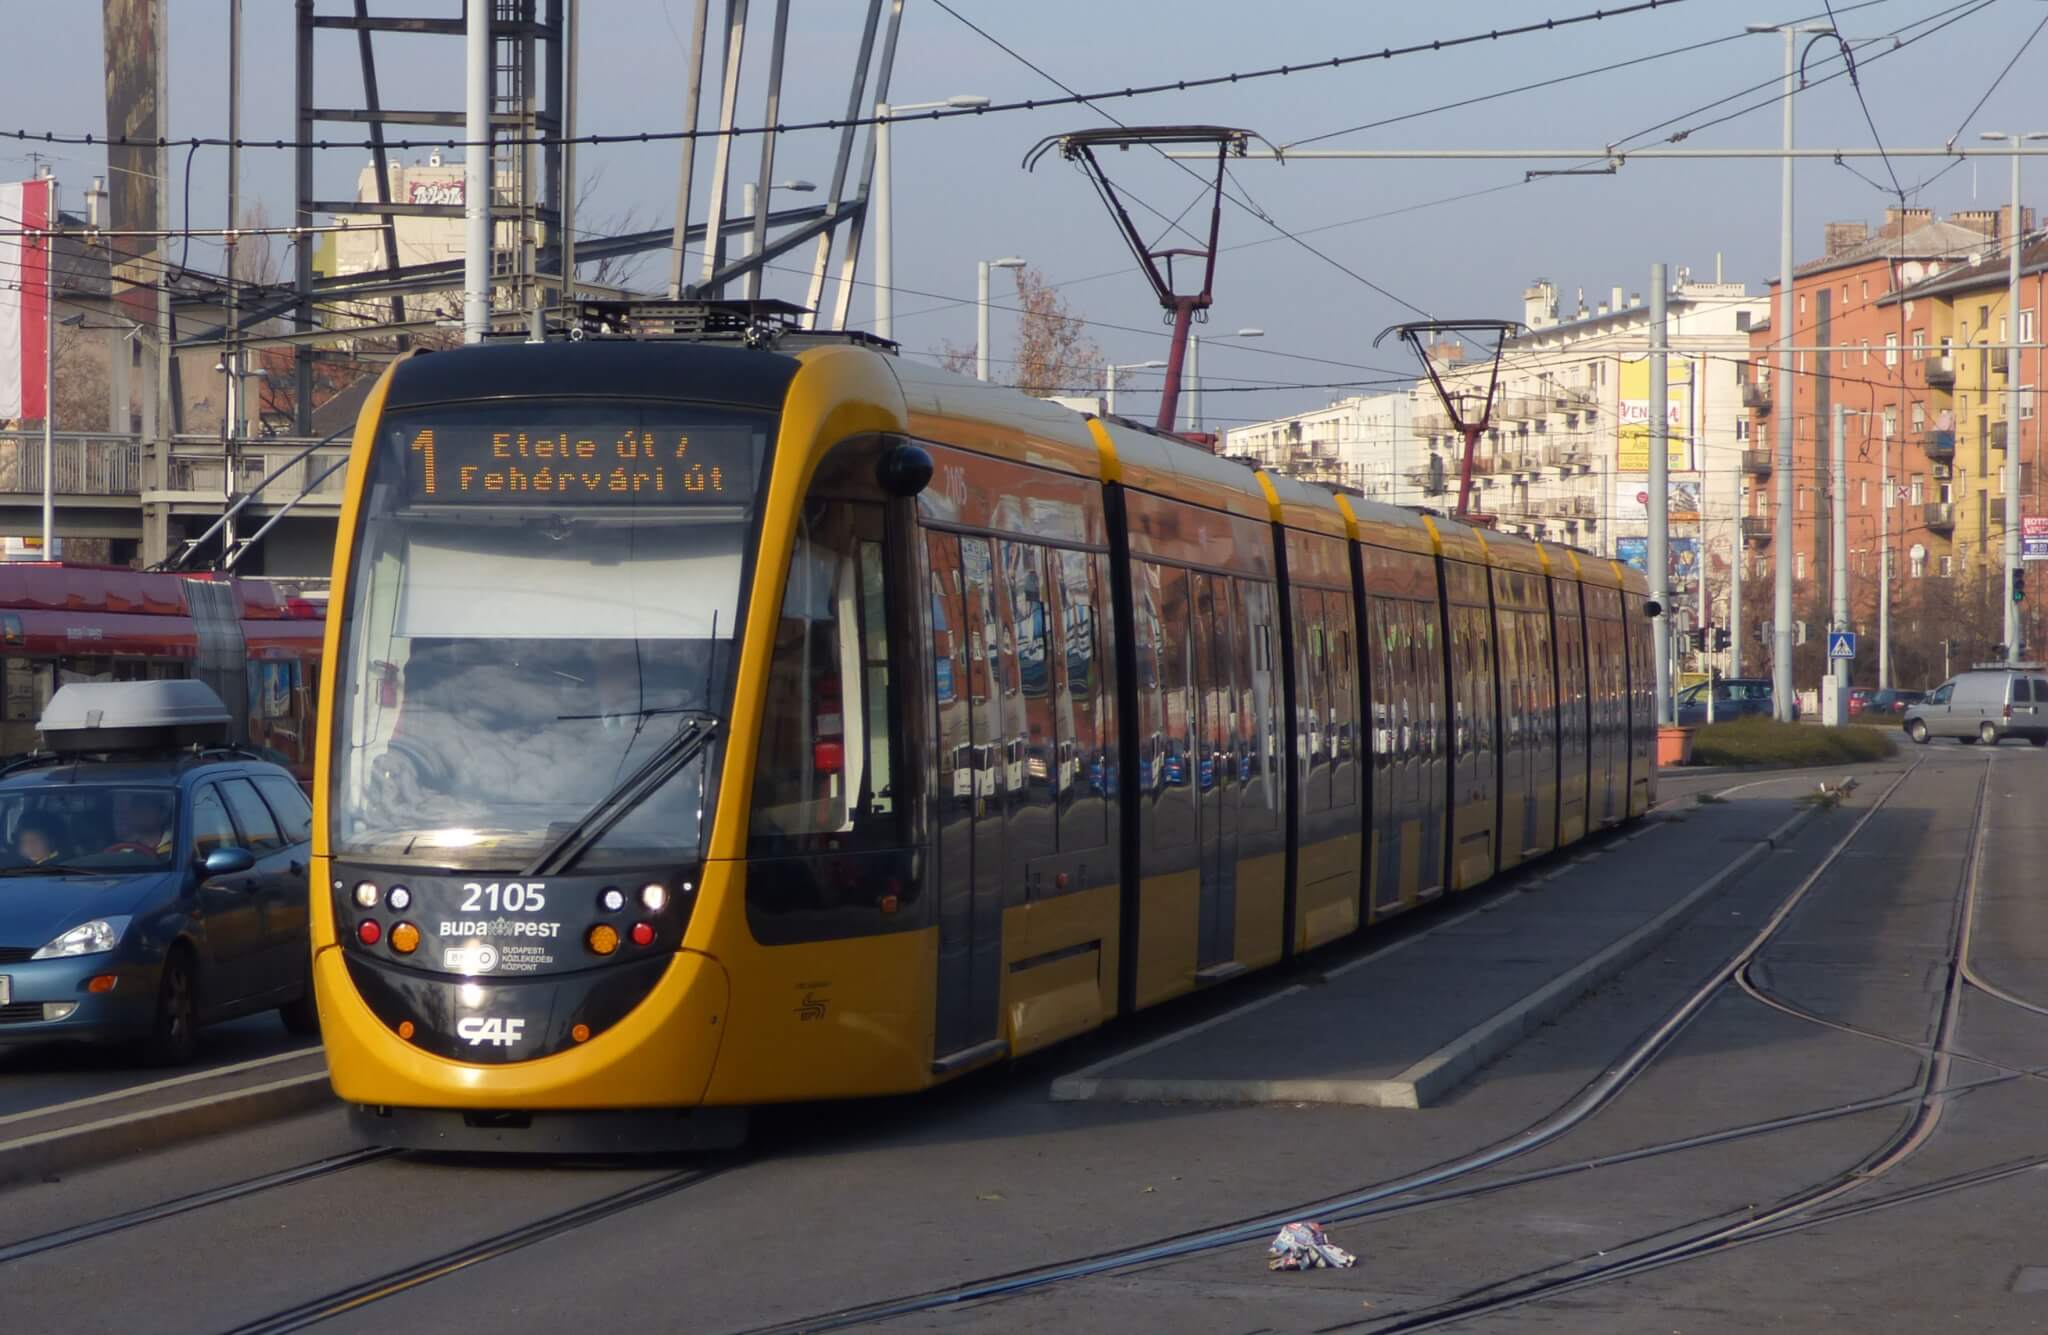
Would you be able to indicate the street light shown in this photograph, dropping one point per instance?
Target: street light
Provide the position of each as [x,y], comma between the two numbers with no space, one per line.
[1109,380]
[747,211]
[981,313]
[1195,373]
[1781,542]
[2012,396]
[885,259]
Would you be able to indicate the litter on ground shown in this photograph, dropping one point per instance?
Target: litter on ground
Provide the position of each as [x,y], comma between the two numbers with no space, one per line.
[1304,1246]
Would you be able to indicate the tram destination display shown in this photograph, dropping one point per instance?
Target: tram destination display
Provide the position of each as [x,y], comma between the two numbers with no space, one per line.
[672,464]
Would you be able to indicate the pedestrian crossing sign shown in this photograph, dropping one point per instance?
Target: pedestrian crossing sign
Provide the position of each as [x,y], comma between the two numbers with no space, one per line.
[1841,644]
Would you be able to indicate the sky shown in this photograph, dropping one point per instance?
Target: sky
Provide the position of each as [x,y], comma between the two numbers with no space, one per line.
[1382,239]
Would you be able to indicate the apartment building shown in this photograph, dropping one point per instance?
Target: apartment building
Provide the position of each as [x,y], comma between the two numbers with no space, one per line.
[1362,443]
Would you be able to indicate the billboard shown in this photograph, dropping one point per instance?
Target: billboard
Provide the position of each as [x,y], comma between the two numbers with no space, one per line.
[1632,499]
[1633,445]
[24,292]
[2034,539]
[1683,557]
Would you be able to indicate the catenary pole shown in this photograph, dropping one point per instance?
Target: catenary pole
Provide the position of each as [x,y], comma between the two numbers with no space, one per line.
[476,176]
[2012,414]
[1660,487]
[1838,504]
[1783,394]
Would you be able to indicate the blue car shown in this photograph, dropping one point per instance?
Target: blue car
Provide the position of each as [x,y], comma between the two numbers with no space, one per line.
[142,897]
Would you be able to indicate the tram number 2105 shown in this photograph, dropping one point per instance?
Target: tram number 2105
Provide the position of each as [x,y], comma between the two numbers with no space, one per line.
[505,897]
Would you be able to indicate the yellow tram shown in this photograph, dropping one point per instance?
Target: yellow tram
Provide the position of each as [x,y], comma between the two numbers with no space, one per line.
[712,724]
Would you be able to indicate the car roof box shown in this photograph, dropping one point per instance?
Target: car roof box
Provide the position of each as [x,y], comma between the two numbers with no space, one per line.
[134,716]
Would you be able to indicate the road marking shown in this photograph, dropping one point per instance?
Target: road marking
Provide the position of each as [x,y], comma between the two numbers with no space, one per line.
[132,1091]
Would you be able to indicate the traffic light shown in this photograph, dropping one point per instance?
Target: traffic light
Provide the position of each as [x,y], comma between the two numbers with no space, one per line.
[1699,639]
[1722,639]
[2019,584]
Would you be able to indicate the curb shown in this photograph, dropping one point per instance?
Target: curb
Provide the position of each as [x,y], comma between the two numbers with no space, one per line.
[43,1153]
[1423,1083]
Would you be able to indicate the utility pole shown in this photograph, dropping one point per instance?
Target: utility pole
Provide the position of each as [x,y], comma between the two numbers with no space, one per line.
[231,357]
[1884,571]
[476,176]
[2013,620]
[1660,489]
[50,368]
[1838,502]
[1738,553]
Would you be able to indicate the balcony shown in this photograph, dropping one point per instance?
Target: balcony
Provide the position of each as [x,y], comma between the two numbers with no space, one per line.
[1521,408]
[1998,435]
[1568,507]
[1757,528]
[1520,461]
[80,466]
[1940,515]
[1756,396]
[1434,422]
[1756,463]
[1998,360]
[1565,456]
[1939,445]
[1940,372]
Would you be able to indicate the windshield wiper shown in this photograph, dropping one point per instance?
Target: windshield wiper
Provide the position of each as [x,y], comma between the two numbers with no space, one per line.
[562,851]
[52,869]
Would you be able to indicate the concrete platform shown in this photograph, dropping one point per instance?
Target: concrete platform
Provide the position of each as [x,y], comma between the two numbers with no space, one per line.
[1403,1025]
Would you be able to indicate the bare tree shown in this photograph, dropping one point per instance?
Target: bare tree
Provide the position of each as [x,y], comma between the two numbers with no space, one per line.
[1054,353]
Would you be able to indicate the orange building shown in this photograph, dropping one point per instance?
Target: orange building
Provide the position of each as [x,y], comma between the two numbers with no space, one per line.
[1863,340]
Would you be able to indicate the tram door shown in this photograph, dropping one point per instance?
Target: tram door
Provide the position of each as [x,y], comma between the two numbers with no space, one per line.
[972,789]
[1215,764]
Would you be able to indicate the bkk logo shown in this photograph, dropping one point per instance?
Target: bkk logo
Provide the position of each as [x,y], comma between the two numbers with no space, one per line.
[481,1029]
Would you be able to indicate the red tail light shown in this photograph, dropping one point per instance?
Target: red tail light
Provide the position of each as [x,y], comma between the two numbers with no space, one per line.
[828,757]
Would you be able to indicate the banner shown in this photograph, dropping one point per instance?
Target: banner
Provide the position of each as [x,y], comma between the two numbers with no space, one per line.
[1632,499]
[1633,445]
[132,39]
[24,285]
[2034,539]
[1683,557]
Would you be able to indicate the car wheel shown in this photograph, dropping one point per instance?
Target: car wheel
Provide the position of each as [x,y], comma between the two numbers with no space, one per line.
[2039,741]
[301,1017]
[1917,731]
[1988,734]
[174,1035]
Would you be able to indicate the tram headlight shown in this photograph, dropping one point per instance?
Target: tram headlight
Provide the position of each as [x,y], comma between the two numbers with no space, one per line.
[612,899]
[366,894]
[654,898]
[602,939]
[399,899]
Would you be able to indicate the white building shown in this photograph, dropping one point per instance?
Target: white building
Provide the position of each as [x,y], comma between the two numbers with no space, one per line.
[1363,442]
[1566,455]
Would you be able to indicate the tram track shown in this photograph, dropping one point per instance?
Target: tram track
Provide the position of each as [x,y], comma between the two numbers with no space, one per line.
[405,1278]
[1401,1193]
[1795,1211]
[198,1200]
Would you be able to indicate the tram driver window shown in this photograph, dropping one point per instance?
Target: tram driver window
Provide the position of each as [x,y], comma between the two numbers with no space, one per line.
[823,777]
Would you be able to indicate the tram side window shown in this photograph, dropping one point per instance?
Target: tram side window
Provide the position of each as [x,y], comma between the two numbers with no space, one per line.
[1311,699]
[1082,715]
[1173,807]
[1261,803]
[1029,733]
[823,776]
[1343,700]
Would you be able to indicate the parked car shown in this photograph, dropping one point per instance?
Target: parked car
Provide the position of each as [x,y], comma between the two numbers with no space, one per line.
[1895,701]
[1734,697]
[1983,705]
[154,885]
[1860,698]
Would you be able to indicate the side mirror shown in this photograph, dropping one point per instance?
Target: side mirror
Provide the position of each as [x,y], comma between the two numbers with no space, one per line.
[1652,608]
[228,861]
[904,469]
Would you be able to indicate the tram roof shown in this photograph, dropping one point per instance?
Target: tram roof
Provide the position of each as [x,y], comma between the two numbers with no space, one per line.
[1391,526]
[996,420]
[1166,467]
[603,368]
[1512,551]
[1311,509]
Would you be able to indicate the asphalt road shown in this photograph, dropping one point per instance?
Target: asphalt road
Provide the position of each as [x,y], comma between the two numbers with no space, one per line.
[1848,1136]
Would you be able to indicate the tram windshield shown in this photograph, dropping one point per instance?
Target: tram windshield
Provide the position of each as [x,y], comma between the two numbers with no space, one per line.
[543,596]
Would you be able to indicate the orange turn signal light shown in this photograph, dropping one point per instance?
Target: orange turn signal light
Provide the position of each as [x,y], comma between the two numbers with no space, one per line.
[603,939]
[103,983]
[405,938]
[405,1028]
[579,1032]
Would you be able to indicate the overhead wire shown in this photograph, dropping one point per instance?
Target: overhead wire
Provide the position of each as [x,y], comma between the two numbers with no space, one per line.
[1181,85]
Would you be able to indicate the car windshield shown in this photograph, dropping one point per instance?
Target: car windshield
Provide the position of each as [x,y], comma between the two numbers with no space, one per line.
[85,828]
[512,654]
